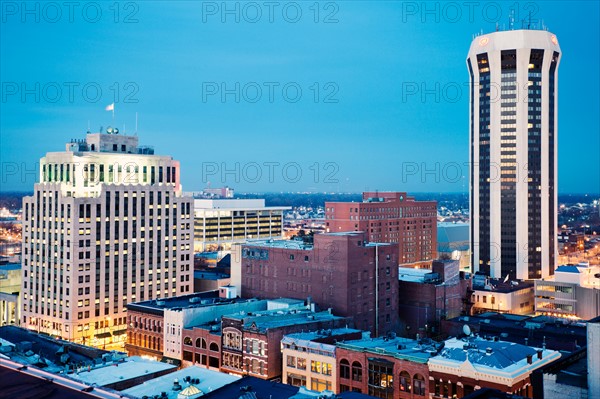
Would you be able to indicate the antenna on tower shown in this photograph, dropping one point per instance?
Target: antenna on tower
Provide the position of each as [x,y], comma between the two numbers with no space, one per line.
[497,27]
[529,24]
[511,20]
[136,123]
[88,126]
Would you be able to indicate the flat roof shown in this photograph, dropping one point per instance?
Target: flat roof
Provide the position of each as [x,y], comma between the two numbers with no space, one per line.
[500,355]
[398,347]
[209,381]
[179,301]
[264,320]
[311,335]
[247,386]
[10,266]
[278,243]
[410,274]
[132,367]
[19,384]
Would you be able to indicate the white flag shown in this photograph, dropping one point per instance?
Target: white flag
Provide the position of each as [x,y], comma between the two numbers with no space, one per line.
[110,107]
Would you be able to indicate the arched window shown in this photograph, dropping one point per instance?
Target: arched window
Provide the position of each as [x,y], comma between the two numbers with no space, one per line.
[187,341]
[356,371]
[345,369]
[405,382]
[204,344]
[214,347]
[198,342]
[419,385]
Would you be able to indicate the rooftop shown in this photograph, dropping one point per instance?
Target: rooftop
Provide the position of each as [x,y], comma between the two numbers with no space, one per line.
[129,368]
[410,274]
[20,384]
[491,357]
[10,266]
[400,348]
[253,388]
[319,334]
[270,319]
[192,377]
[498,285]
[567,269]
[30,348]
[322,340]
[183,301]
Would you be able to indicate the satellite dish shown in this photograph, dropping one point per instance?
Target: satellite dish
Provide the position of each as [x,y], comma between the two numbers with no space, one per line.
[467,330]
[115,131]
[109,130]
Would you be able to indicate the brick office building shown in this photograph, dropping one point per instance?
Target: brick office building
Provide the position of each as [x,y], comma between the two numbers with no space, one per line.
[145,322]
[387,367]
[392,217]
[251,343]
[426,297]
[338,271]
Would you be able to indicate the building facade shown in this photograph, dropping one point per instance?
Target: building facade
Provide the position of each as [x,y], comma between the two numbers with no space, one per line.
[107,225]
[219,223]
[251,343]
[341,271]
[513,157]
[392,217]
[427,297]
[573,292]
[10,298]
[387,367]
[468,364]
[309,358]
[515,297]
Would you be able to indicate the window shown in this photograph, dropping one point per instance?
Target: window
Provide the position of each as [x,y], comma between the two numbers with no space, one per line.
[187,341]
[381,379]
[291,361]
[319,385]
[419,385]
[356,371]
[214,347]
[344,369]
[301,363]
[405,382]
[296,380]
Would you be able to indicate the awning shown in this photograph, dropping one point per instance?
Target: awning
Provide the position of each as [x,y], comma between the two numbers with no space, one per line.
[103,335]
[120,332]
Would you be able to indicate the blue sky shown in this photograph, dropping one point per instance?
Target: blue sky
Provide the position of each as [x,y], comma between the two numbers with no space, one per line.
[353,127]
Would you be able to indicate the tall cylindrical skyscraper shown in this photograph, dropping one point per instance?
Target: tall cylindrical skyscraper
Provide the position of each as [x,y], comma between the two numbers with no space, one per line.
[513,157]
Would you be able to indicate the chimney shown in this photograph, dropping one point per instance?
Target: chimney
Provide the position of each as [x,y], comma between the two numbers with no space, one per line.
[529,359]
[539,353]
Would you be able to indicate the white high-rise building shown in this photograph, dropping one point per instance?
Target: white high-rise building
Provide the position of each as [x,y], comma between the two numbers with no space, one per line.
[513,141]
[107,225]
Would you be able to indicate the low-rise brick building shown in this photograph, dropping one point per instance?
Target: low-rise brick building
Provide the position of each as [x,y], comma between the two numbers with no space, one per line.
[251,343]
[386,367]
[471,363]
[309,357]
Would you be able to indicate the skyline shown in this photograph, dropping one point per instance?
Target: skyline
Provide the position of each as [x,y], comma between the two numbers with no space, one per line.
[386,136]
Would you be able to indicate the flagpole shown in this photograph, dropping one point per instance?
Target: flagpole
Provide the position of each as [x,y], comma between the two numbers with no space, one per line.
[113,112]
